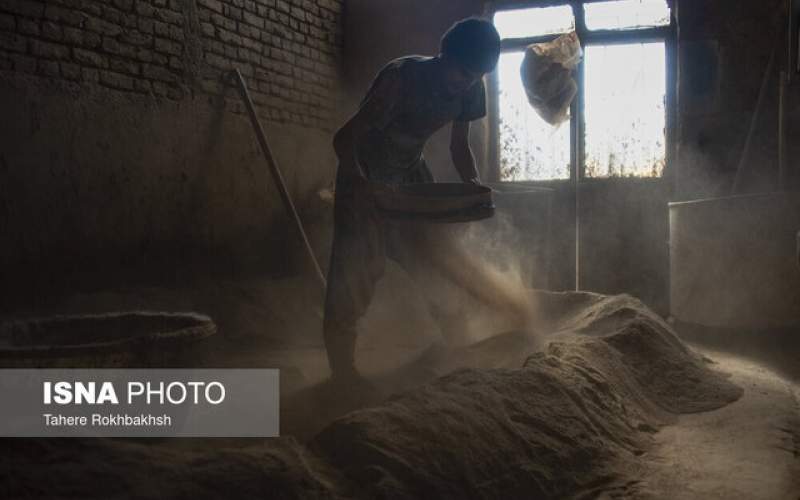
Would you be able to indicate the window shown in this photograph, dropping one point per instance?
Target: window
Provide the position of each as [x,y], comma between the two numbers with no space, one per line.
[531,149]
[624,112]
[618,123]
[627,14]
[524,23]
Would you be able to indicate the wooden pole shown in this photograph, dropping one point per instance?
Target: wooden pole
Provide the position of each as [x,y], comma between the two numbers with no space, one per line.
[276,173]
[783,173]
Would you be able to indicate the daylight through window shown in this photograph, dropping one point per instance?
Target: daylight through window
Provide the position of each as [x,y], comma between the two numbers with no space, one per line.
[623,113]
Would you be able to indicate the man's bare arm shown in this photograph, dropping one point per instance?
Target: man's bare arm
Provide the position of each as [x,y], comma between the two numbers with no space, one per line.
[344,143]
[461,153]
[376,111]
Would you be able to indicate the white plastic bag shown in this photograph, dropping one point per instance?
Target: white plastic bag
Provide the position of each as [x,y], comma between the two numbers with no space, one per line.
[547,76]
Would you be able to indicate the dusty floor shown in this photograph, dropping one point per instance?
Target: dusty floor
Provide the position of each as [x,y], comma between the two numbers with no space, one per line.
[612,406]
[748,449]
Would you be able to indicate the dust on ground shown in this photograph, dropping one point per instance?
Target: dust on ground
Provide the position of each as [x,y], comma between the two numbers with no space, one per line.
[564,409]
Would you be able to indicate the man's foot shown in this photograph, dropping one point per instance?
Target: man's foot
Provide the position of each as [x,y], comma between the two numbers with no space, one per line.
[347,376]
[353,383]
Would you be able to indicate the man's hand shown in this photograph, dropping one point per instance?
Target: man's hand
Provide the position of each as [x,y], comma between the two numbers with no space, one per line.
[367,191]
[475,181]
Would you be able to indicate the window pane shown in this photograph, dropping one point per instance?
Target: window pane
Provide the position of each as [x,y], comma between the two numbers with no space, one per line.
[625,110]
[530,148]
[626,14]
[522,23]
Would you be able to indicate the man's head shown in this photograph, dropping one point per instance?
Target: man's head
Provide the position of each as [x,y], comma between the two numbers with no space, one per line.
[469,49]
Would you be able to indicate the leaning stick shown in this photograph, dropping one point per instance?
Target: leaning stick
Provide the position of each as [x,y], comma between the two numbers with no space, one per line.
[276,173]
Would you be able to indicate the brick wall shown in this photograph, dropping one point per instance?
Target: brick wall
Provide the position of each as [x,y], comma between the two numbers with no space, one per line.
[288,50]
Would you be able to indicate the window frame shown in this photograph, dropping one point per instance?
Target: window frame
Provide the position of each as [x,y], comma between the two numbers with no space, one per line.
[666,34]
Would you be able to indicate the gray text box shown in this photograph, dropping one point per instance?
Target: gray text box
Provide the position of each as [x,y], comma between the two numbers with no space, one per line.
[139,403]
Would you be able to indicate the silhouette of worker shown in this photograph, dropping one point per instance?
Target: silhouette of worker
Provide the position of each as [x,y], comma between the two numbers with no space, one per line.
[411,98]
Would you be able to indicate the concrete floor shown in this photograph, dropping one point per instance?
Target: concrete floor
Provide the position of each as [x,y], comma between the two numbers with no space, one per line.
[749,449]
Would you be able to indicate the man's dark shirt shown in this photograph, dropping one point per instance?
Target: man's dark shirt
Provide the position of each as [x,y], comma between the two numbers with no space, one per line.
[406,104]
